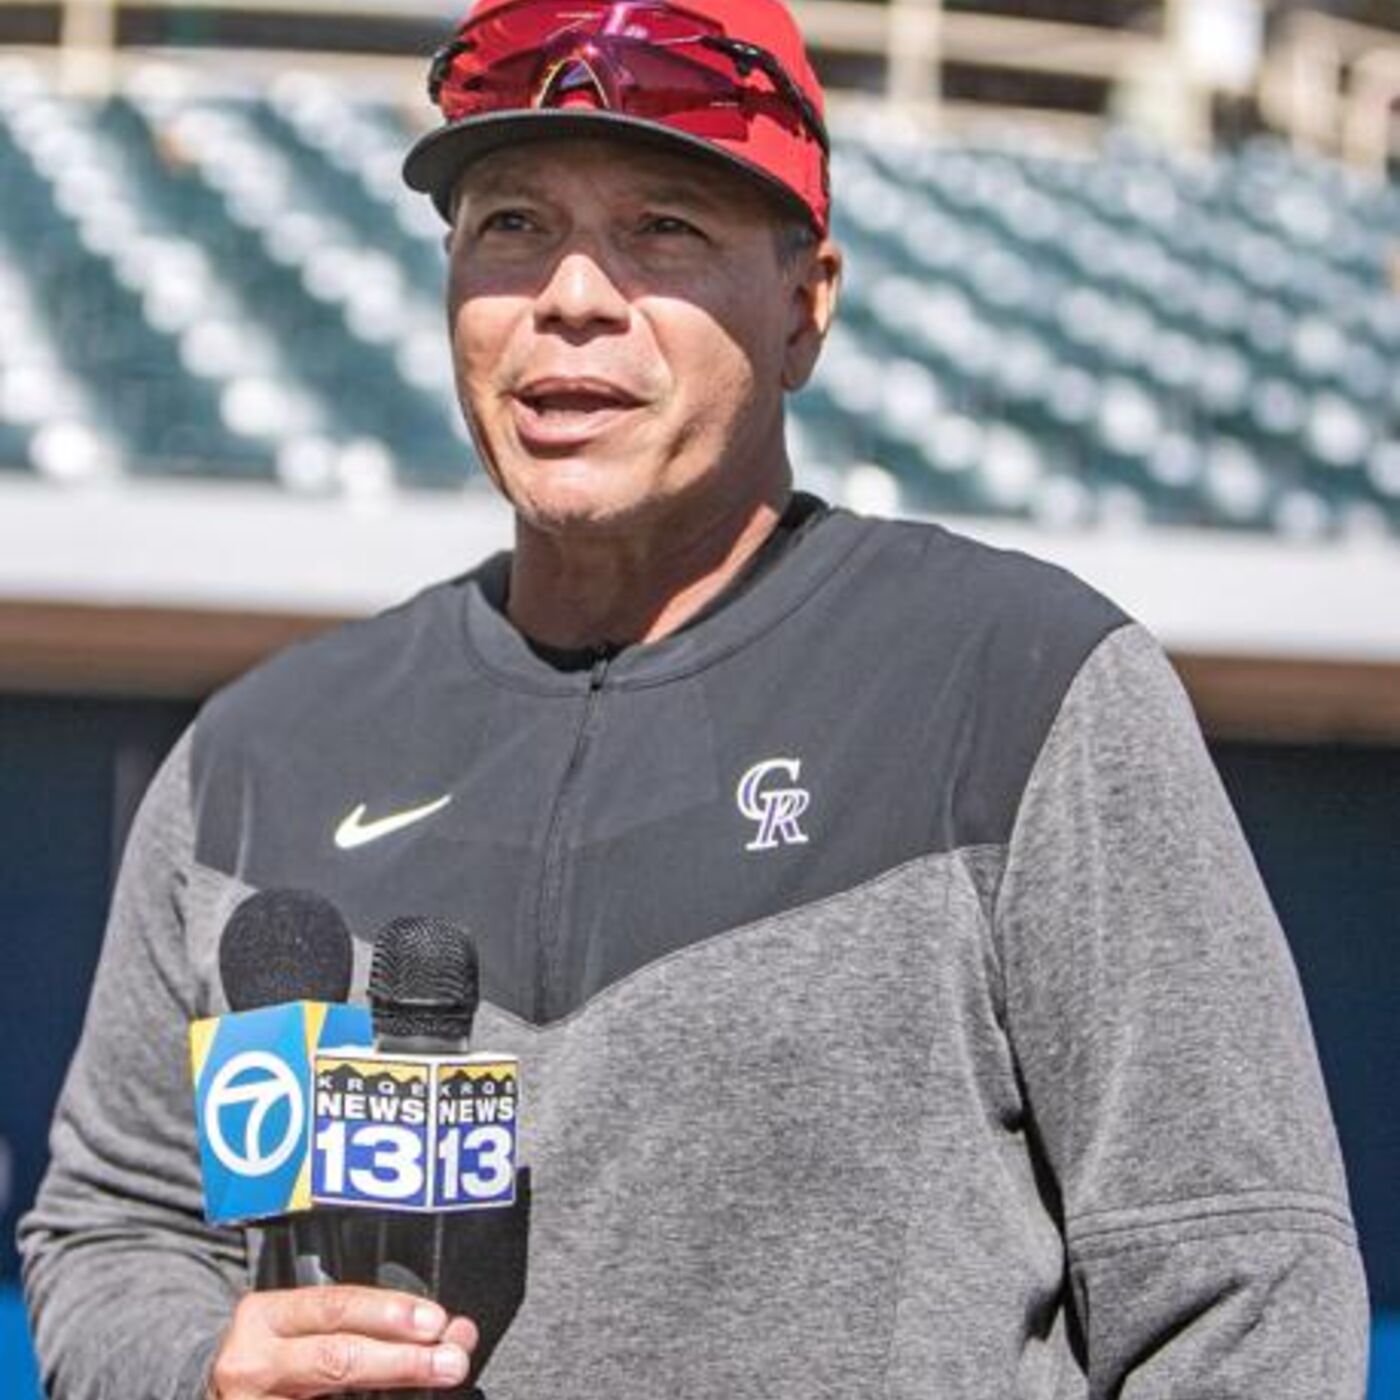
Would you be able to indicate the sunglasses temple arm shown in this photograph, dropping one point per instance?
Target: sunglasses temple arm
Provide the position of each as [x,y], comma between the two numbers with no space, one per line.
[747,56]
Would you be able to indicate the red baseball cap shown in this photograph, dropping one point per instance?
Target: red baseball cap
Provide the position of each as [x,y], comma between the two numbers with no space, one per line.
[726,80]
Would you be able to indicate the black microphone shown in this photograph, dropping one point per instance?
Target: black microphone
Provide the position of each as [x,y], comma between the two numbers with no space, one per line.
[424,988]
[283,945]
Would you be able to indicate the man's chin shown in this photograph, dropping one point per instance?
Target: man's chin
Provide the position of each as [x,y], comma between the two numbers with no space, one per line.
[577,514]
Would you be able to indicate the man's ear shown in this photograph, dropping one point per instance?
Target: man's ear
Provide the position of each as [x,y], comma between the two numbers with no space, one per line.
[816,289]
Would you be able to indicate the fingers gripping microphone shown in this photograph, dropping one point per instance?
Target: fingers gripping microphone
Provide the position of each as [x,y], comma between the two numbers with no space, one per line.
[279,946]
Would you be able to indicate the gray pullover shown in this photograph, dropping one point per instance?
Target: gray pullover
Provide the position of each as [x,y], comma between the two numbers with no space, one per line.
[900,1012]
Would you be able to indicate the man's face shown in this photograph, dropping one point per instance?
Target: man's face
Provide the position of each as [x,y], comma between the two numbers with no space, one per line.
[624,328]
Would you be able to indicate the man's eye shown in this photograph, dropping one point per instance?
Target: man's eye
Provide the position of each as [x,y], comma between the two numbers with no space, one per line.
[669,225]
[507,221]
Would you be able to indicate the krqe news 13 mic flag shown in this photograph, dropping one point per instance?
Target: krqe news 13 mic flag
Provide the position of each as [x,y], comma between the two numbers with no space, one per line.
[415,1132]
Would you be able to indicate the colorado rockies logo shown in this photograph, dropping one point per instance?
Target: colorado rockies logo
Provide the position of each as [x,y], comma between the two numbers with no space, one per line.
[775,808]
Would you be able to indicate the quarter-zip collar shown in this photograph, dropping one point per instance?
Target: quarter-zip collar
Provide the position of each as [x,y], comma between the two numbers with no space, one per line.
[736,618]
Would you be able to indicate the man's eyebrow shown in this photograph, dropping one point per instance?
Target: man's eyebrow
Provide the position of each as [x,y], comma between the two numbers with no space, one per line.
[694,192]
[512,184]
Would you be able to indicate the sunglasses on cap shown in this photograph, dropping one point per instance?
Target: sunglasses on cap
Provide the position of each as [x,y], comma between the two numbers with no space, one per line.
[639,58]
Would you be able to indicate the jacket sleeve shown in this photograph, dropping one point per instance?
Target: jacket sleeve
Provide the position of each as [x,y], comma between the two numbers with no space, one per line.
[128,1289]
[1168,1063]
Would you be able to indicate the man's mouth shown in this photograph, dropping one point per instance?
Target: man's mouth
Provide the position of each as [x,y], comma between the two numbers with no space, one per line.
[559,412]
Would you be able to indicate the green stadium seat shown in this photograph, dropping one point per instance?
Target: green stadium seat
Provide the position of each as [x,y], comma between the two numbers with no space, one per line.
[239,286]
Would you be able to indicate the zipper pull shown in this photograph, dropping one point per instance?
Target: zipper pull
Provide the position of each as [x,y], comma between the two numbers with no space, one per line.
[602,659]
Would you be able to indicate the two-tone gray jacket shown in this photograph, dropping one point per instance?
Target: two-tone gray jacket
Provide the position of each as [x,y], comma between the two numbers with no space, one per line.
[900,1012]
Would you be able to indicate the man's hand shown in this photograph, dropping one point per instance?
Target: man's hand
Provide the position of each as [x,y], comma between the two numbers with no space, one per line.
[297,1343]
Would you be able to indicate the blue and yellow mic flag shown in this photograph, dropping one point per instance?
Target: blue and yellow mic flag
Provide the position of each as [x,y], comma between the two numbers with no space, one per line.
[253,1106]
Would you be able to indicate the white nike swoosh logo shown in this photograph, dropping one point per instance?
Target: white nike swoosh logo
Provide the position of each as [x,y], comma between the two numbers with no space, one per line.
[356,831]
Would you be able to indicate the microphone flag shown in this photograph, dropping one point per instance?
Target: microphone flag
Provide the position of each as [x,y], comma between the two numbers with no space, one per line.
[415,1132]
[253,1112]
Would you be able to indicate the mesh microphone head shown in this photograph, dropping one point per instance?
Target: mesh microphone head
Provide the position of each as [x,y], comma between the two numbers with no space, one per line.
[285,945]
[423,981]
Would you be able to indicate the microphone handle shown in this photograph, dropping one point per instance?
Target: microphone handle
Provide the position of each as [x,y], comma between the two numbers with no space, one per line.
[298,1252]
[315,1250]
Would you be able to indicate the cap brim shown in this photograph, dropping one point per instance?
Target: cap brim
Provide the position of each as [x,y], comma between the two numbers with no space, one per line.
[437,161]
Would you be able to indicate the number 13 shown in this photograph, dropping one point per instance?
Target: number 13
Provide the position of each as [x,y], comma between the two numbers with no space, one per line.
[494,1168]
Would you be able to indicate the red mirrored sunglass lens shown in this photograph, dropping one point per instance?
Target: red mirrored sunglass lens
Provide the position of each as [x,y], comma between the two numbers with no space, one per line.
[626,74]
[530,23]
[529,26]
[644,59]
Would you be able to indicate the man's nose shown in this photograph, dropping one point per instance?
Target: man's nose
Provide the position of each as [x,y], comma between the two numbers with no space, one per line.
[581,295]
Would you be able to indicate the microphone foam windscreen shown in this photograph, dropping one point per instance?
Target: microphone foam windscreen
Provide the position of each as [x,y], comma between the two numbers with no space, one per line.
[285,945]
[424,980]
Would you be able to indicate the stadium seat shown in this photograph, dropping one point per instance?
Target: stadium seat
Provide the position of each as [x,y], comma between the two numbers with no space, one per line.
[235,283]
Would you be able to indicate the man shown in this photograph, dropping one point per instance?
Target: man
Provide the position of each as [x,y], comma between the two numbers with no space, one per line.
[899,1010]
